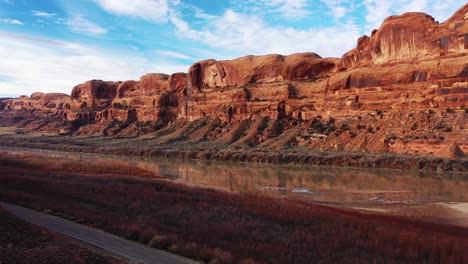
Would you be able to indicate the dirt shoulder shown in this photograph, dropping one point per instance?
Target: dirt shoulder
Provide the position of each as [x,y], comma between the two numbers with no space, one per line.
[22,242]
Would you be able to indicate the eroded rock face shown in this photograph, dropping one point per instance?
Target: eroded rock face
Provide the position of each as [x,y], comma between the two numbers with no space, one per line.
[39,101]
[252,86]
[411,70]
[154,97]
[177,82]
[95,93]
[259,69]
[128,88]
[154,83]
[2,104]
[408,37]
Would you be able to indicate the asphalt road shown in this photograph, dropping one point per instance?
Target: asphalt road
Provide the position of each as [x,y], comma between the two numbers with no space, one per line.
[105,241]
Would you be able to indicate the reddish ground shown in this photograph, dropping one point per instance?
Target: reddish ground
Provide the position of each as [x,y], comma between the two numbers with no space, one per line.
[210,225]
[21,242]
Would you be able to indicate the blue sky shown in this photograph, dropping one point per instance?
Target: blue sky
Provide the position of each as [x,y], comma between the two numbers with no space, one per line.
[52,45]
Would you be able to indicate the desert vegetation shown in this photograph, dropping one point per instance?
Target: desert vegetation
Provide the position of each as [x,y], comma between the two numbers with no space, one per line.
[222,227]
[21,242]
[179,145]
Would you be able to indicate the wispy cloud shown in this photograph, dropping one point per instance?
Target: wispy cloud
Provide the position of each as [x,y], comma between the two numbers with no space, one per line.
[82,25]
[173,54]
[441,10]
[43,14]
[378,10]
[48,65]
[11,21]
[243,34]
[7,2]
[339,8]
[285,9]
[153,10]
[291,9]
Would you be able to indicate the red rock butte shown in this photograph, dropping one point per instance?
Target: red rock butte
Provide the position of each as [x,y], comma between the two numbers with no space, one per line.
[402,90]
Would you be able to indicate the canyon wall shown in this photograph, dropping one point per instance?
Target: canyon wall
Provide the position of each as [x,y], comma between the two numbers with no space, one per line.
[153,97]
[409,78]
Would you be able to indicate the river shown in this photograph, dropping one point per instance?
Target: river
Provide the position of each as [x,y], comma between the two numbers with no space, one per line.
[439,197]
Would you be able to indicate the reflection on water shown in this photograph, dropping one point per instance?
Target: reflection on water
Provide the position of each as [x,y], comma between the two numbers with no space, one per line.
[322,184]
[435,197]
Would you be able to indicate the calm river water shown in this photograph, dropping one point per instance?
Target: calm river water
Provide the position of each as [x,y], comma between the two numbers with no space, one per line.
[443,197]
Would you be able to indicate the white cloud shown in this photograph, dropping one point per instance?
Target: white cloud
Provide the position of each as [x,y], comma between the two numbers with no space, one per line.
[291,8]
[442,10]
[414,6]
[42,22]
[338,8]
[43,14]
[153,10]
[378,10]
[339,11]
[200,13]
[173,54]
[47,65]
[7,2]
[286,9]
[11,21]
[249,34]
[80,24]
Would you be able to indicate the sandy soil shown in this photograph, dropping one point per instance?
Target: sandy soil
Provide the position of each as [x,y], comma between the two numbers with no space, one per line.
[461,207]
[451,213]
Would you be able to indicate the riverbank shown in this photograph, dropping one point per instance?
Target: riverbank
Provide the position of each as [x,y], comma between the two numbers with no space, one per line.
[229,227]
[206,150]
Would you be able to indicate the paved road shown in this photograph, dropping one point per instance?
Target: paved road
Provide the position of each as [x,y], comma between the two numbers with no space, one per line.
[111,243]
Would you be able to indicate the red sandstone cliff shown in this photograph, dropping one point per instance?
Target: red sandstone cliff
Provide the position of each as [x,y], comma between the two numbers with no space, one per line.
[38,101]
[403,89]
[409,37]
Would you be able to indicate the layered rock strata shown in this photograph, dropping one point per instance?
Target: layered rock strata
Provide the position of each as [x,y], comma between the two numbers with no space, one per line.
[409,78]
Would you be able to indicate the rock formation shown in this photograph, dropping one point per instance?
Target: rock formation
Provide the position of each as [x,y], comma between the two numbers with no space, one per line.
[253,86]
[38,101]
[403,89]
[410,37]
[155,96]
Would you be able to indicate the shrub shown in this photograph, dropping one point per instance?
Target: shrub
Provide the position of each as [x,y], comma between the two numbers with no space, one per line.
[222,228]
[222,257]
[380,113]
[77,123]
[440,126]
[344,127]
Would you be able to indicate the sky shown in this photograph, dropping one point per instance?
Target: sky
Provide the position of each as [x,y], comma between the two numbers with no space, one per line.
[53,45]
